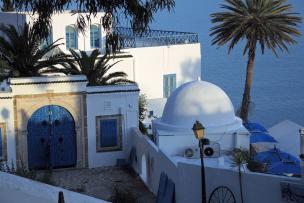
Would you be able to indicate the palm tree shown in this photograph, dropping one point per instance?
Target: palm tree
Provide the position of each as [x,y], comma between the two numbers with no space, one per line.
[96,68]
[239,158]
[22,53]
[7,6]
[269,23]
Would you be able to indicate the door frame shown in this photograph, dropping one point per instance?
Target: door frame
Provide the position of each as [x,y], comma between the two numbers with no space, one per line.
[26,105]
[47,116]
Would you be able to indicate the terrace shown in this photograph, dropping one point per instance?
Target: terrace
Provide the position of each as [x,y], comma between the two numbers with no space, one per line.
[150,38]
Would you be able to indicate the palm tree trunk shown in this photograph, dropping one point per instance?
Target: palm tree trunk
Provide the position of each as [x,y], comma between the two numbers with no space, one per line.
[248,83]
[241,185]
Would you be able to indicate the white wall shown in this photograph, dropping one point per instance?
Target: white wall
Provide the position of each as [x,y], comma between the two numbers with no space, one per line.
[7,117]
[125,103]
[157,161]
[13,19]
[257,187]
[151,63]
[15,189]
[148,64]
[61,20]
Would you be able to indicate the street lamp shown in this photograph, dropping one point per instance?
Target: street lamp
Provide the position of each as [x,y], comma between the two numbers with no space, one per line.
[199,132]
[301,131]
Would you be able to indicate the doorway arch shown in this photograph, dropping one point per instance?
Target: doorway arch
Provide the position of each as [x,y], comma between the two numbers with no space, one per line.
[51,138]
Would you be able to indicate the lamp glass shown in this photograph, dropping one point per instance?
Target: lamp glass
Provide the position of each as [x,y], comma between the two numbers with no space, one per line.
[198,130]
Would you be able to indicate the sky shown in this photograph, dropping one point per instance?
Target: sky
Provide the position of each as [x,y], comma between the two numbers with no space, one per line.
[278,86]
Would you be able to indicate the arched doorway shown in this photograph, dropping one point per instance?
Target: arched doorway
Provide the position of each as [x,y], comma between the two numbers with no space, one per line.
[51,138]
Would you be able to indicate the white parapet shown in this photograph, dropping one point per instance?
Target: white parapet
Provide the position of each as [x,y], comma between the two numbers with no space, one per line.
[15,189]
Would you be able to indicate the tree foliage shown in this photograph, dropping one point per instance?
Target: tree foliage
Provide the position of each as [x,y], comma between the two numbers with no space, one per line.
[142,105]
[138,13]
[267,24]
[94,66]
[7,5]
[22,54]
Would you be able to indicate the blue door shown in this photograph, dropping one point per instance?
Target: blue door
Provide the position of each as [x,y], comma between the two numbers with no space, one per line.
[51,138]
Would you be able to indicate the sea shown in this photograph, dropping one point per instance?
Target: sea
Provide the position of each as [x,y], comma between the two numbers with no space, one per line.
[278,84]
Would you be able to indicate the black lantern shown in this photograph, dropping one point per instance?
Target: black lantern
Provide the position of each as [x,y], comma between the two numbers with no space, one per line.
[198,130]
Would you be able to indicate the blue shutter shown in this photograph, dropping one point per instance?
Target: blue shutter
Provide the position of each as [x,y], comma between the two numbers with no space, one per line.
[108,133]
[71,37]
[1,154]
[95,36]
[169,84]
[165,86]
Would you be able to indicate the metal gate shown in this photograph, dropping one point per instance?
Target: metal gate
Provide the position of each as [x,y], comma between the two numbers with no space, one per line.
[51,138]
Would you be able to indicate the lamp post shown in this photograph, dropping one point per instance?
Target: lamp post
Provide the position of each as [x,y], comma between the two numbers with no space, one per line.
[199,132]
[301,131]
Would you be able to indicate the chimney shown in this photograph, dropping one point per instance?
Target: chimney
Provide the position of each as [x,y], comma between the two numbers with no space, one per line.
[301,131]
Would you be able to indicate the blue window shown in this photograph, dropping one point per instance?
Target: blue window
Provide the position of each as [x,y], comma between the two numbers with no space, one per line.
[169,84]
[71,37]
[95,36]
[48,40]
[109,133]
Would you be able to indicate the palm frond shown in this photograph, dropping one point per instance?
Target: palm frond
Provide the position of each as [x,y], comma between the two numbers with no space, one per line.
[267,23]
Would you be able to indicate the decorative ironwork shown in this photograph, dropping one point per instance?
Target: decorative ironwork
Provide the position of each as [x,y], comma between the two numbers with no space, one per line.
[150,38]
[292,192]
[222,194]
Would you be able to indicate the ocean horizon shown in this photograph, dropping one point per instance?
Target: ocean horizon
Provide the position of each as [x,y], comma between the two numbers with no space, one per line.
[277,91]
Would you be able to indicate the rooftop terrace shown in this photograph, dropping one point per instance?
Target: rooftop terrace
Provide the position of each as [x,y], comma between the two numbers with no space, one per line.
[150,38]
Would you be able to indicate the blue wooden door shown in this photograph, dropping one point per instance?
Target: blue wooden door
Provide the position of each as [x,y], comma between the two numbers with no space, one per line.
[51,138]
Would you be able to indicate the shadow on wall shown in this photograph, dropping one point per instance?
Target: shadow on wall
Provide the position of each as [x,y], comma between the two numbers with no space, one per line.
[190,70]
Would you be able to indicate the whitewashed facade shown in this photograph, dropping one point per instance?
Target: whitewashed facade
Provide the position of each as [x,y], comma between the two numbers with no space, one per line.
[25,97]
[159,61]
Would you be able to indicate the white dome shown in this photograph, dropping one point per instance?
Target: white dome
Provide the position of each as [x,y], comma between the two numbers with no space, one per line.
[202,101]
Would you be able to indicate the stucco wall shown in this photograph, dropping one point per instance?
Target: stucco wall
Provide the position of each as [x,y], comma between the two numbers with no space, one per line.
[101,103]
[156,161]
[59,22]
[13,19]
[15,189]
[257,187]
[7,119]
[151,63]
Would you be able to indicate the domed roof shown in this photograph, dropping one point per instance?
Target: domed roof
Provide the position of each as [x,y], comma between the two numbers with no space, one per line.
[202,101]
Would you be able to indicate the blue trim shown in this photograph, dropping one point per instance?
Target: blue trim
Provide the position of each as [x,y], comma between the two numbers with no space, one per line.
[71,37]
[169,84]
[108,133]
[95,36]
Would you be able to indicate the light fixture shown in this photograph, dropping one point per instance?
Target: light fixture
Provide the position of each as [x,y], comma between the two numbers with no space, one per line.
[198,130]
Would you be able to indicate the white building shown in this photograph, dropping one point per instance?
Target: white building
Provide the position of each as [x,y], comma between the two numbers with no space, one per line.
[60,122]
[159,61]
[287,135]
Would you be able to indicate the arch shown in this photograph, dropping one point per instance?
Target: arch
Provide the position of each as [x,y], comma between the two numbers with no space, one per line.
[95,36]
[51,138]
[71,37]
[144,169]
